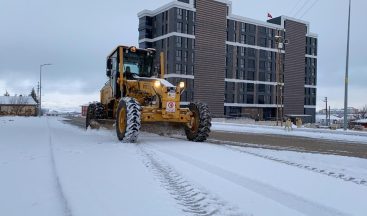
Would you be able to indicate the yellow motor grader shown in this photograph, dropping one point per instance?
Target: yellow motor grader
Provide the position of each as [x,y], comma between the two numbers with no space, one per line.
[136,92]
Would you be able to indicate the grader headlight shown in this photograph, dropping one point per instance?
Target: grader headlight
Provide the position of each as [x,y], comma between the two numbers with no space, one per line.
[157,84]
[182,85]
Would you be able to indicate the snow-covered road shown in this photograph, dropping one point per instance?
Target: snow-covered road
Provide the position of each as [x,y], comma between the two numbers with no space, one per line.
[51,168]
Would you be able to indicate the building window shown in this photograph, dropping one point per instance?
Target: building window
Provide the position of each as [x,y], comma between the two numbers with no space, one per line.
[178,68]
[250,87]
[242,63]
[262,65]
[178,55]
[251,63]
[261,99]
[238,74]
[178,41]
[250,99]
[184,69]
[243,39]
[268,77]
[251,40]
[251,52]
[186,53]
[242,50]
[261,88]
[243,27]
[186,42]
[250,75]
[179,27]
[179,13]
[261,76]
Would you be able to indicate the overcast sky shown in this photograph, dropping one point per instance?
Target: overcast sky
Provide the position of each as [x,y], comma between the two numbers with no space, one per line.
[76,37]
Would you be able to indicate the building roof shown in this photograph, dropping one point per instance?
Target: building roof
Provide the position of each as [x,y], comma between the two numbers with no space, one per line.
[361,121]
[332,117]
[17,100]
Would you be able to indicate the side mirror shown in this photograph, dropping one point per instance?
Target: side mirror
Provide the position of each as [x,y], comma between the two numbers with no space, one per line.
[108,73]
[109,67]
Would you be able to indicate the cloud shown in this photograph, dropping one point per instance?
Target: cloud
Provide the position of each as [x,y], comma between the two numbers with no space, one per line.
[76,37]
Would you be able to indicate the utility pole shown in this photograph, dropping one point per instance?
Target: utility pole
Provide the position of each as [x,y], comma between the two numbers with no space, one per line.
[38,98]
[326,112]
[347,74]
[40,95]
[280,42]
[329,116]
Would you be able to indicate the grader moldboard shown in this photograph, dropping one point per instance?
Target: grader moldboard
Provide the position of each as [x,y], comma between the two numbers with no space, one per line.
[134,95]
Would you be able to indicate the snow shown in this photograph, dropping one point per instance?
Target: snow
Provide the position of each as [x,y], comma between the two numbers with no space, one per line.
[15,100]
[332,117]
[338,135]
[361,121]
[48,167]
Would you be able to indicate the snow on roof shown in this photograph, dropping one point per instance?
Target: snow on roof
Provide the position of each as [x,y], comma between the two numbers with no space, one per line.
[332,117]
[361,121]
[17,100]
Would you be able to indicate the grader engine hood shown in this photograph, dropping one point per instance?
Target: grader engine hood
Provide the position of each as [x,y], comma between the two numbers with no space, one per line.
[170,97]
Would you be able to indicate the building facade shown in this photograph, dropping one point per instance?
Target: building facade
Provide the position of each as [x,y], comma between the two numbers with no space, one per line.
[17,106]
[230,62]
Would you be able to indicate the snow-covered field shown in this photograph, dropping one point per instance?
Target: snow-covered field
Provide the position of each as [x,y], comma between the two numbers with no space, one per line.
[338,135]
[48,167]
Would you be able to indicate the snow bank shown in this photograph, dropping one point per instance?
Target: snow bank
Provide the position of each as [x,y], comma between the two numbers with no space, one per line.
[359,137]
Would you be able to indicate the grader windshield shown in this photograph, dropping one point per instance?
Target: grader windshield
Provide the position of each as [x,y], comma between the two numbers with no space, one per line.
[138,62]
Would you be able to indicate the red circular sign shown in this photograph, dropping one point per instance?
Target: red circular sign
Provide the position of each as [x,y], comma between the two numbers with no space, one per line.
[171,104]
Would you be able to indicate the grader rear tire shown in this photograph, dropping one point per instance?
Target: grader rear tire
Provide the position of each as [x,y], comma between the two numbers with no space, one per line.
[90,115]
[128,120]
[199,128]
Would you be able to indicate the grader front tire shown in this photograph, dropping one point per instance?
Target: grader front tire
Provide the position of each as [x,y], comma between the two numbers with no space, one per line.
[199,128]
[128,120]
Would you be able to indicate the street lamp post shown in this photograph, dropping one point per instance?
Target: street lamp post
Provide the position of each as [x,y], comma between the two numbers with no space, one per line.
[40,96]
[347,75]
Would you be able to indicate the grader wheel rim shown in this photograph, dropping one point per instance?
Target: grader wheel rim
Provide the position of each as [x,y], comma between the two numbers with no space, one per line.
[194,123]
[122,120]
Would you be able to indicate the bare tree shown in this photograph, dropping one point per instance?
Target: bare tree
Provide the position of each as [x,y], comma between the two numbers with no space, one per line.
[19,103]
[363,112]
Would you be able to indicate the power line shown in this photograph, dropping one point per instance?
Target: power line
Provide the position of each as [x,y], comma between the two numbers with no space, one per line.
[301,8]
[295,7]
[308,9]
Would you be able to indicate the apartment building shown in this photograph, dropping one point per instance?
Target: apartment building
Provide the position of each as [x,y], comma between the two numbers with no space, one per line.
[230,61]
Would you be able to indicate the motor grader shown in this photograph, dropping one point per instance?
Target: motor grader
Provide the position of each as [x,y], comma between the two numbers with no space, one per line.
[137,93]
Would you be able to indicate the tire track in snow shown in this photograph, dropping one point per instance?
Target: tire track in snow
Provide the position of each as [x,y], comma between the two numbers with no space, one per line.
[65,203]
[334,174]
[234,146]
[284,198]
[193,200]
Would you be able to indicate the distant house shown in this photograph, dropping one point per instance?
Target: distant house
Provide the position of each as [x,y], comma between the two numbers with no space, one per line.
[84,109]
[361,122]
[321,119]
[18,106]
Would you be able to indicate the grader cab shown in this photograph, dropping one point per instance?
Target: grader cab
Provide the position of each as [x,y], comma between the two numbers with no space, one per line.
[134,95]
